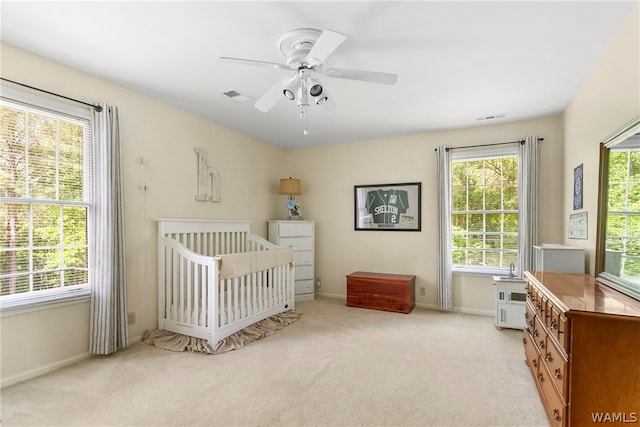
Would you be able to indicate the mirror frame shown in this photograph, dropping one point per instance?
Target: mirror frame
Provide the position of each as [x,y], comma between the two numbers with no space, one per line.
[622,134]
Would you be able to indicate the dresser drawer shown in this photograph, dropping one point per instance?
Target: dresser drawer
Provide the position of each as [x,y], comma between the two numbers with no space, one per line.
[532,357]
[557,366]
[559,327]
[556,408]
[539,335]
[303,258]
[304,287]
[292,229]
[303,272]
[298,243]
[529,316]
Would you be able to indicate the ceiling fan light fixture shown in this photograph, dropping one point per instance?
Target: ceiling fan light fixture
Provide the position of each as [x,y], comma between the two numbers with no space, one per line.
[316,90]
[289,94]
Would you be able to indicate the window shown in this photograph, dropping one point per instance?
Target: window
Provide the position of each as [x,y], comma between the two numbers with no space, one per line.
[484,211]
[45,201]
[623,215]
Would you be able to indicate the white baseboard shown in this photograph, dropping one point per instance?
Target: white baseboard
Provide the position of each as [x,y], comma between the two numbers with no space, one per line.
[33,373]
[332,296]
[477,312]
[23,376]
[463,310]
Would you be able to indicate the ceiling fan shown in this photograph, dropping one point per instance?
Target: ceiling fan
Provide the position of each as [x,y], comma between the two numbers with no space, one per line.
[306,50]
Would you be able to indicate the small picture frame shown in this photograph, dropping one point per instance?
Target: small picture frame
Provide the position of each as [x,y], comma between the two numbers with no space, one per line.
[387,207]
[577,187]
[294,211]
[578,226]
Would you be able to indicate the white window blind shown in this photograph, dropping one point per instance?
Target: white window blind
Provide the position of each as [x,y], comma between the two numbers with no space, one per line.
[45,177]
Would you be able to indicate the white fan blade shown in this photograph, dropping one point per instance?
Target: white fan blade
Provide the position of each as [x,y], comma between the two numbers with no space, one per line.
[324,46]
[274,94]
[252,62]
[365,76]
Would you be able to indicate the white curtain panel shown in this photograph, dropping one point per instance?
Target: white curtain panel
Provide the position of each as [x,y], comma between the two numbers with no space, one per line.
[528,177]
[108,329]
[444,290]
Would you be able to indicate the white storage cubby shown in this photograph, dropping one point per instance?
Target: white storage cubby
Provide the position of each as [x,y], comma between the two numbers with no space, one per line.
[559,258]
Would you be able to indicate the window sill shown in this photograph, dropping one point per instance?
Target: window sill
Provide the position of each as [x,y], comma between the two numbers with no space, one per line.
[17,307]
[477,272]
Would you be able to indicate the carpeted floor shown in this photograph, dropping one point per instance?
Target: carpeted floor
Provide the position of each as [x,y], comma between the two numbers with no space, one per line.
[335,366]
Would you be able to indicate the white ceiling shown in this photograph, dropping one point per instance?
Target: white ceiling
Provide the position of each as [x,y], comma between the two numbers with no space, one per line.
[456,61]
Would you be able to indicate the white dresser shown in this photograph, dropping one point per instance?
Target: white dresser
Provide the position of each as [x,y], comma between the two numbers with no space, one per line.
[300,235]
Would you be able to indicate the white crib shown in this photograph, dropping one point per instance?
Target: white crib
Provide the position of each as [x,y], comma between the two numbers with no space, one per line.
[215,278]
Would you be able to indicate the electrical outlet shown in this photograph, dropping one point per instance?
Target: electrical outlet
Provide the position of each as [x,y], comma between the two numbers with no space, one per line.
[318,283]
[131,318]
[422,291]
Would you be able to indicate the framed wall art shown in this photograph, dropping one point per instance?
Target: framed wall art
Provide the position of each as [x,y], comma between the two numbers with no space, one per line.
[387,207]
[577,187]
[578,226]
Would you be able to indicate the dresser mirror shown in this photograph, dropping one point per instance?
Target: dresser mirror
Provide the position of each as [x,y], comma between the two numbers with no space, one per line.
[618,227]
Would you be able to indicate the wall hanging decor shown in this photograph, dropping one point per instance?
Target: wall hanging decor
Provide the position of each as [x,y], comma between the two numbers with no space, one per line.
[578,226]
[387,207]
[577,188]
[208,179]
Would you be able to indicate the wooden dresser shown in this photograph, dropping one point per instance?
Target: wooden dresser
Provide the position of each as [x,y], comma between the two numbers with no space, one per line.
[582,344]
[380,291]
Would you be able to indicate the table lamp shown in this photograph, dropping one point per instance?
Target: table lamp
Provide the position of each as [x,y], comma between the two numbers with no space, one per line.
[291,187]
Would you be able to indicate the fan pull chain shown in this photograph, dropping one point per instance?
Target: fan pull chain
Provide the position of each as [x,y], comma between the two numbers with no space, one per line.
[303,114]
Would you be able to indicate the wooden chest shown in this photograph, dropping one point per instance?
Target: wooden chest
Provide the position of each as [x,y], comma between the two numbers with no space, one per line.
[379,291]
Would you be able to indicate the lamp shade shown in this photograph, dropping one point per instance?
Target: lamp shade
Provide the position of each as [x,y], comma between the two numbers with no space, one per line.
[290,186]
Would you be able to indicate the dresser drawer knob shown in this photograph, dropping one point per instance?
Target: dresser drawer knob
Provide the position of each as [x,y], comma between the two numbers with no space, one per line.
[558,374]
[541,343]
[524,340]
[554,324]
[536,333]
[549,358]
[540,377]
[556,415]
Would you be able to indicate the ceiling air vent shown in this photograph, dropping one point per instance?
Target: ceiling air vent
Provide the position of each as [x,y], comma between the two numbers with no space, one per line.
[237,96]
[492,117]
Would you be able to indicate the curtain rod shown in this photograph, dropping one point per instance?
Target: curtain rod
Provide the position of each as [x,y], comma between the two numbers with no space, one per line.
[98,108]
[521,141]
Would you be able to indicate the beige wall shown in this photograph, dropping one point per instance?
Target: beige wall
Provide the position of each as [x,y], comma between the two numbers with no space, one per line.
[609,98]
[38,341]
[35,341]
[329,173]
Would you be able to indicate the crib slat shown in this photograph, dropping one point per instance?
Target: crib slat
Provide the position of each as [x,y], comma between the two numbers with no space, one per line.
[254,293]
[236,314]
[228,309]
[190,283]
[174,285]
[243,296]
